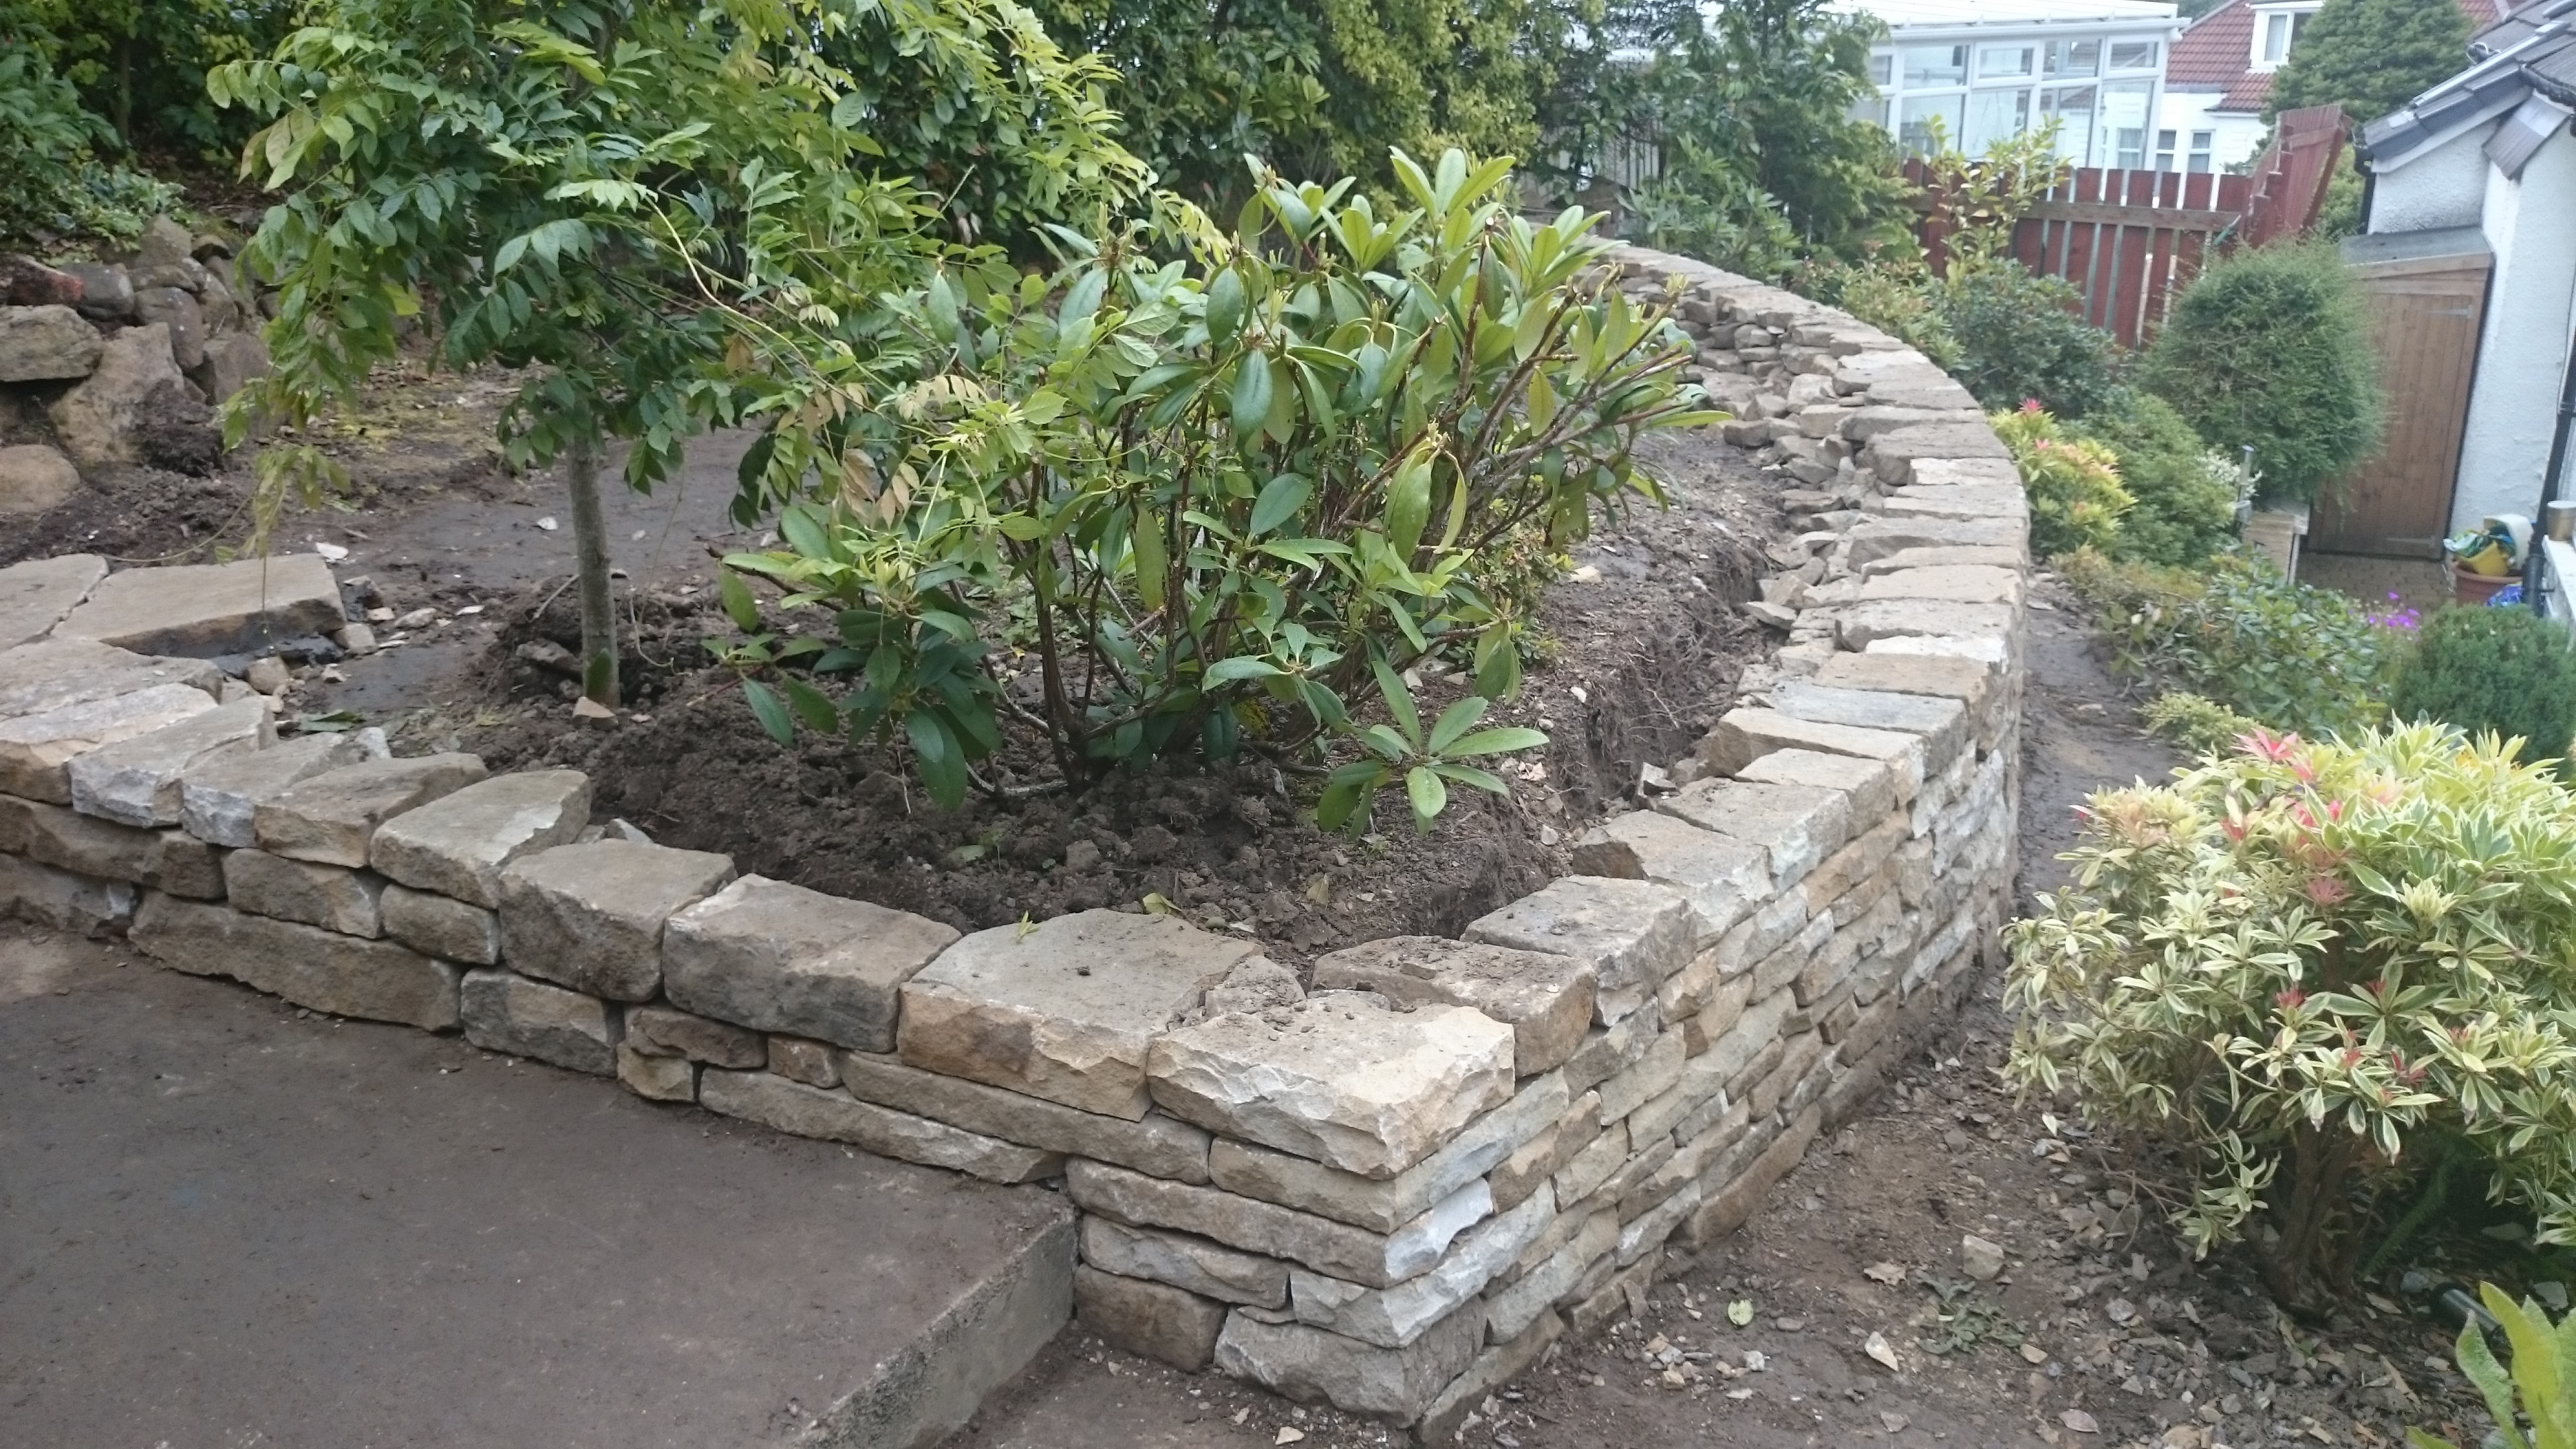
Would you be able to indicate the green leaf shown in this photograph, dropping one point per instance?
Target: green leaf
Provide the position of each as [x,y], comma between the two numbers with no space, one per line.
[1408,505]
[936,751]
[1347,793]
[1470,775]
[1227,671]
[1428,795]
[1224,307]
[812,705]
[739,605]
[1280,499]
[1152,563]
[771,714]
[1456,720]
[1496,742]
[1249,403]
[1399,702]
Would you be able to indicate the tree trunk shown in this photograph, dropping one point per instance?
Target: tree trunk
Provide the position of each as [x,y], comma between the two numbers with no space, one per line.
[590,551]
[2299,1269]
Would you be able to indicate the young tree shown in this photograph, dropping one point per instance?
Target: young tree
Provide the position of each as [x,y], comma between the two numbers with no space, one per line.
[2371,56]
[674,216]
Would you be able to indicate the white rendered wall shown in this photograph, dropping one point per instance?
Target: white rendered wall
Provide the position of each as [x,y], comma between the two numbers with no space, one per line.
[2236,136]
[2531,314]
[2444,185]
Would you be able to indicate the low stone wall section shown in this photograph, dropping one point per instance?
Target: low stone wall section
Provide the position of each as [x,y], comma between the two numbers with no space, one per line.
[1391,1193]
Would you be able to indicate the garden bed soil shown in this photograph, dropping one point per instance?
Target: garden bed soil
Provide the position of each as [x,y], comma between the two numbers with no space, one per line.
[1641,653]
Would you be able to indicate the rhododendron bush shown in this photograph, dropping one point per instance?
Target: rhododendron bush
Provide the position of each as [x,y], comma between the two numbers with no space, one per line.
[2318,970]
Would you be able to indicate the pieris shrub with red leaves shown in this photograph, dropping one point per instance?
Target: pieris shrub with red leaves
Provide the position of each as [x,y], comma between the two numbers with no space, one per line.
[2319,969]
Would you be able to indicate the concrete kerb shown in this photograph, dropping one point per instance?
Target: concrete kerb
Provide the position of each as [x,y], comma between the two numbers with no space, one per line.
[1719,993]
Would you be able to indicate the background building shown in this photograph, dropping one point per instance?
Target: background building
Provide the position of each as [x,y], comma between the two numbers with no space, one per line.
[1985,70]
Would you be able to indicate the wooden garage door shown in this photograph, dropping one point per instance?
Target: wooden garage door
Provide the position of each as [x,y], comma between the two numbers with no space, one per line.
[2425,315]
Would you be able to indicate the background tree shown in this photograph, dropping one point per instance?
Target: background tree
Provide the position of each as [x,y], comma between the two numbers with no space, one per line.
[675,217]
[2371,56]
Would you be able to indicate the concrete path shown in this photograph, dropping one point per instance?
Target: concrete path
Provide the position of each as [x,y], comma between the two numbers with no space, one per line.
[226,1224]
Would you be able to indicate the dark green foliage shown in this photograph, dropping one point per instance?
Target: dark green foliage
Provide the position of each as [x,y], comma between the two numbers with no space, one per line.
[2020,338]
[51,180]
[2371,56]
[2184,511]
[140,65]
[2505,670]
[2271,348]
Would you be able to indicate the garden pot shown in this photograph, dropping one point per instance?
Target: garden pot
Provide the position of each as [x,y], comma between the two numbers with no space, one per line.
[2468,586]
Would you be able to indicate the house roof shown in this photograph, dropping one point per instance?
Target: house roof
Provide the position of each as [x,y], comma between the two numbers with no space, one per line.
[2217,53]
[2530,52]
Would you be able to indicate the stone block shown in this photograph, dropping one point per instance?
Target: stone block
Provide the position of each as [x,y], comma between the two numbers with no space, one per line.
[1201,1266]
[36,750]
[1593,1166]
[1942,724]
[1724,879]
[1892,455]
[330,818]
[46,344]
[1879,536]
[802,1111]
[67,840]
[207,609]
[1150,1320]
[1961,501]
[435,925]
[1649,1077]
[458,843]
[1745,735]
[1870,783]
[39,593]
[1533,1163]
[1385,1204]
[1339,1078]
[1942,556]
[662,1031]
[1632,933]
[54,673]
[781,958]
[217,797]
[507,1013]
[1546,998]
[1607,1050]
[591,916]
[1864,624]
[657,1079]
[1554,1279]
[1154,1144]
[62,899]
[1395,1317]
[1509,1358]
[1795,825]
[1313,1366]
[800,1060]
[1728,1206]
[135,780]
[333,897]
[98,422]
[1376,1260]
[1968,681]
[323,970]
[1065,1011]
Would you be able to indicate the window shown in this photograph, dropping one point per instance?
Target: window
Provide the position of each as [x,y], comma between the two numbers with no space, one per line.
[2133,55]
[1921,116]
[2074,57]
[1993,116]
[2164,150]
[1882,68]
[2006,60]
[2200,149]
[2072,108]
[2130,147]
[1935,65]
[2276,32]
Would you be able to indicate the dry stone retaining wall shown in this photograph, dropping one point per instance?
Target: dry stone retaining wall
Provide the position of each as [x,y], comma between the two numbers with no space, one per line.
[1390,1194]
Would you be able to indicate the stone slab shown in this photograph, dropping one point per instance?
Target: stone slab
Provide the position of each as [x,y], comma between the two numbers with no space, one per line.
[1879,537]
[458,843]
[330,818]
[778,957]
[1863,624]
[333,897]
[1378,1260]
[36,750]
[1339,1078]
[1942,724]
[1546,998]
[437,926]
[1632,933]
[323,970]
[1154,1144]
[803,1111]
[1723,879]
[136,780]
[52,673]
[1065,1011]
[165,860]
[662,1031]
[39,593]
[204,610]
[218,797]
[591,916]
[1494,1369]
[62,899]
[1869,783]
[1743,735]
[1313,1366]
[506,1013]
[1957,583]
[1943,555]
[1965,680]
[1203,1266]
[1150,1320]
[1396,1317]
[1386,1204]
[1794,825]
[657,1079]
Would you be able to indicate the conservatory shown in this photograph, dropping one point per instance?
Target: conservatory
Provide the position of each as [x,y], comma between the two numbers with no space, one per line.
[1978,71]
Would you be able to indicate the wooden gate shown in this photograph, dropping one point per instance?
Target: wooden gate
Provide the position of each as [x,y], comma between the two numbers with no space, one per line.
[2427,294]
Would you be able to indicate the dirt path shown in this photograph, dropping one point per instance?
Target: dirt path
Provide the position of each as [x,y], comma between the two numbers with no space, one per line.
[2105,1325]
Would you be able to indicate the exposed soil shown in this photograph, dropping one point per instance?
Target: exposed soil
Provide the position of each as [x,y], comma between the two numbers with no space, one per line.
[1638,663]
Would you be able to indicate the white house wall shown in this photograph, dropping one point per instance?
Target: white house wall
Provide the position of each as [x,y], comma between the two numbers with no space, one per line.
[2442,186]
[2235,136]
[2531,314]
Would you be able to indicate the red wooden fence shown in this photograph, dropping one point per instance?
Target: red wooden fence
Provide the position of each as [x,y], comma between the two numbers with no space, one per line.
[2129,240]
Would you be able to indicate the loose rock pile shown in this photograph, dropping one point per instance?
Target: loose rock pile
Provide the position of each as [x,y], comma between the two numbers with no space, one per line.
[1390,1193]
[124,361]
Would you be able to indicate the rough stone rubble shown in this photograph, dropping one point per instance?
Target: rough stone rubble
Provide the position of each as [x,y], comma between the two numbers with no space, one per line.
[1391,1194]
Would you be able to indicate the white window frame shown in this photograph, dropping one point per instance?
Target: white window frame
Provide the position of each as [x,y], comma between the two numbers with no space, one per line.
[2048,49]
[2285,20]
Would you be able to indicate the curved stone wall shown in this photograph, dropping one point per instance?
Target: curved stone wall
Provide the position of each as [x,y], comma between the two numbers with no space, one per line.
[1390,1194]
